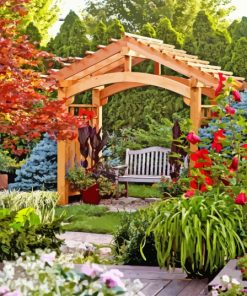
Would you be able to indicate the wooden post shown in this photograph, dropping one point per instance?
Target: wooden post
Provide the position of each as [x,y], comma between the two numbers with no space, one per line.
[127,63]
[195,112]
[62,184]
[157,68]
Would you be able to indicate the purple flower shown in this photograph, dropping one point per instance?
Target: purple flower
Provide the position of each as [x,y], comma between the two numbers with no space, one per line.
[91,270]
[112,279]
[4,289]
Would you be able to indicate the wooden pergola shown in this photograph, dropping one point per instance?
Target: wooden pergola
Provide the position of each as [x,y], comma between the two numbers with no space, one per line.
[109,71]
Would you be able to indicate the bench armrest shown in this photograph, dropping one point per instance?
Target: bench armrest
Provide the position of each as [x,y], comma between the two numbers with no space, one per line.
[119,167]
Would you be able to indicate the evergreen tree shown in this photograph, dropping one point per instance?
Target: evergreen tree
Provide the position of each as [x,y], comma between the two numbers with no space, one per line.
[40,170]
[238,29]
[71,39]
[148,31]
[168,34]
[206,41]
[99,35]
[115,29]
[33,33]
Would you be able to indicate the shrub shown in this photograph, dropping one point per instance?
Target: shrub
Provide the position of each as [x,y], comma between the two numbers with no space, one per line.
[40,170]
[200,233]
[129,236]
[43,202]
[22,231]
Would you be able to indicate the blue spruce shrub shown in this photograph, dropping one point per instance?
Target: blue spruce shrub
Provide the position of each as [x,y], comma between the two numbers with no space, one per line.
[206,133]
[40,170]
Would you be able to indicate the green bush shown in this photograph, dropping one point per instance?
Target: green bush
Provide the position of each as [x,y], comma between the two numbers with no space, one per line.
[22,231]
[200,233]
[129,236]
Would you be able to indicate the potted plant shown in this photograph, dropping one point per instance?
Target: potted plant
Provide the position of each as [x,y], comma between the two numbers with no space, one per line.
[107,188]
[82,180]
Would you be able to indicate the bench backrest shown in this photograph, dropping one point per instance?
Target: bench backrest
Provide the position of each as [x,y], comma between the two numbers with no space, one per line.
[152,161]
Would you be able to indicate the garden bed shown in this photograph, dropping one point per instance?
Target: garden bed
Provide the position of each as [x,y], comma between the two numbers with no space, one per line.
[230,270]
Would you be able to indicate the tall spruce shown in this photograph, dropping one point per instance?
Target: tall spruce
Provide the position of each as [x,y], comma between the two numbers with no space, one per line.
[33,34]
[72,38]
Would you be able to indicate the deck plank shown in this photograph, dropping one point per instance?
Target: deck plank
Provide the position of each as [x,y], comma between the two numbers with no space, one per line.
[174,287]
[154,287]
[194,288]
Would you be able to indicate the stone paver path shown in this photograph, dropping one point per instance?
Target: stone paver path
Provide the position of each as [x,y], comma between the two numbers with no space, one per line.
[86,237]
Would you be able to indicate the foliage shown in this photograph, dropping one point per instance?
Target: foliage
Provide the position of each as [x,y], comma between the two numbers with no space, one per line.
[8,163]
[55,276]
[79,178]
[40,170]
[205,40]
[168,34]
[134,108]
[26,108]
[199,233]
[43,202]
[90,218]
[129,235]
[72,38]
[238,28]
[169,188]
[107,188]
[33,34]
[148,30]
[22,231]
[242,265]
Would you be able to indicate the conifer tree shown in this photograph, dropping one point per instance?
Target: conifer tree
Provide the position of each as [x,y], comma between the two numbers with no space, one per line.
[71,39]
[33,34]
[115,29]
[168,34]
[99,35]
[148,31]
[40,170]
[238,29]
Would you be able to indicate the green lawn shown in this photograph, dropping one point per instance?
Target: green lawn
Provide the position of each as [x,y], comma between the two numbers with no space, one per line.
[143,191]
[90,218]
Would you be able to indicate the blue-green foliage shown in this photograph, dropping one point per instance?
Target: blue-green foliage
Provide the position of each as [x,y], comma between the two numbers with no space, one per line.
[207,132]
[40,170]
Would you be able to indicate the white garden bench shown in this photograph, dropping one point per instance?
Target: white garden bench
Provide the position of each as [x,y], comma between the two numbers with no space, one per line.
[146,165]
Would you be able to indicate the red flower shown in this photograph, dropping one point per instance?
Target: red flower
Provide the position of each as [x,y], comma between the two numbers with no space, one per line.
[236,96]
[214,113]
[189,193]
[201,158]
[244,147]
[218,138]
[220,85]
[234,165]
[241,199]
[230,110]
[193,138]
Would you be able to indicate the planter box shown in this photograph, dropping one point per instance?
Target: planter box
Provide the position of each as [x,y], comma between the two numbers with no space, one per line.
[230,270]
[3,181]
[91,195]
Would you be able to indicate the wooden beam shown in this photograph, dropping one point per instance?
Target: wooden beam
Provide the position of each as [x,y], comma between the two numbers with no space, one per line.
[98,66]
[90,60]
[150,79]
[195,112]
[127,63]
[157,68]
[170,62]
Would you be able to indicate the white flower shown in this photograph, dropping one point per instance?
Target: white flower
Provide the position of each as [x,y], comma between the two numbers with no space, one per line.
[91,270]
[226,278]
[48,258]
[214,293]
[235,282]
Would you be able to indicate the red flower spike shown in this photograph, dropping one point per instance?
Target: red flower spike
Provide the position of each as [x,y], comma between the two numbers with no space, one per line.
[236,96]
[241,199]
[229,110]
[220,85]
[234,165]
[193,138]
[218,138]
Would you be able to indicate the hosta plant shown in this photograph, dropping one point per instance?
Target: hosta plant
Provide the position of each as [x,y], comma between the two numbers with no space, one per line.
[43,274]
[200,233]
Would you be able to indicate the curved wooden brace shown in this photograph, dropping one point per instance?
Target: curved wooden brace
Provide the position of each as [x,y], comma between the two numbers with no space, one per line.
[143,78]
[119,87]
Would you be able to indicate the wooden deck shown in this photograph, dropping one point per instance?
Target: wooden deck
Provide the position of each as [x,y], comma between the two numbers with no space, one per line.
[163,283]
[157,282]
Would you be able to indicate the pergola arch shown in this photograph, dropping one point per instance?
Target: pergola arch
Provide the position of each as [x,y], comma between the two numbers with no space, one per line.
[130,77]
[109,71]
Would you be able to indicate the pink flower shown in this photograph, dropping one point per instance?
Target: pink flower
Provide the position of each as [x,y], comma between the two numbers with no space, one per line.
[230,110]
[91,270]
[13,293]
[234,165]
[112,279]
[48,258]
[241,199]
[193,138]
[188,194]
[236,96]
[4,289]
[220,85]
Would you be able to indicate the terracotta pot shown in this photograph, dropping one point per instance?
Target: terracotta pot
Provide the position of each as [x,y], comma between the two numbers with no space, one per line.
[3,181]
[91,195]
